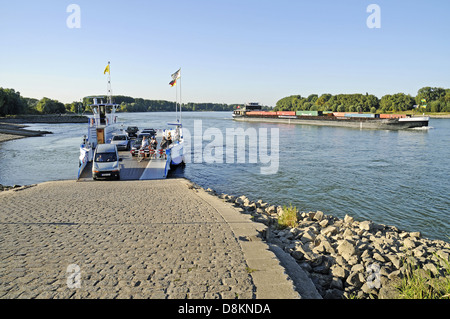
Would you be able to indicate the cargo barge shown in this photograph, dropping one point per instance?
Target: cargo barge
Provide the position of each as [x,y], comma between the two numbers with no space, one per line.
[252,113]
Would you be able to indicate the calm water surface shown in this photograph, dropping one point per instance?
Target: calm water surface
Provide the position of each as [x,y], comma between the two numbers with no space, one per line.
[395,178]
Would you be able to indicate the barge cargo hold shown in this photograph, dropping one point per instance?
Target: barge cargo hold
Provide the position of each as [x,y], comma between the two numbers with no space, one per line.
[339,119]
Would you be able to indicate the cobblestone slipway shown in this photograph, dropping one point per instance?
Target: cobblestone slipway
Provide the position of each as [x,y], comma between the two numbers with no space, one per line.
[131,239]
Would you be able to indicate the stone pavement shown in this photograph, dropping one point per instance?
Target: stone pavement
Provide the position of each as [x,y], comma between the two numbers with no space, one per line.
[132,239]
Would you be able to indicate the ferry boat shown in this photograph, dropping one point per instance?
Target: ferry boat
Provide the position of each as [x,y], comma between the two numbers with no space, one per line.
[252,112]
[103,124]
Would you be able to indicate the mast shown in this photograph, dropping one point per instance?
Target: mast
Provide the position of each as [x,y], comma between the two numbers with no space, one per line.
[109,97]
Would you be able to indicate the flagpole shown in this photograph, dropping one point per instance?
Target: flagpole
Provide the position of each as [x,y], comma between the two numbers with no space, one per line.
[176,103]
[175,77]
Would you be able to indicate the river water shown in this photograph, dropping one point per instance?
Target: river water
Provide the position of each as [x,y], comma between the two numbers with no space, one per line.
[398,178]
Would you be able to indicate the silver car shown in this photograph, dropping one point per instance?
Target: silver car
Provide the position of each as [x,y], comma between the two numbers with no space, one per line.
[106,162]
[121,141]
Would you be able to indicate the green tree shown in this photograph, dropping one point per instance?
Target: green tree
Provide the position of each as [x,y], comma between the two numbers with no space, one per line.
[31,105]
[324,98]
[396,102]
[73,107]
[435,106]
[430,94]
[312,98]
[49,106]
[341,108]
[307,106]
[11,102]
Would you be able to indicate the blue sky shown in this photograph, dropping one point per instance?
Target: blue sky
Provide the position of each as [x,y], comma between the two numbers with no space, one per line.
[233,51]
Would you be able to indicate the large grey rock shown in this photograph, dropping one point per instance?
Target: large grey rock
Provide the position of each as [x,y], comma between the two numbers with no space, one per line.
[348,233]
[378,257]
[329,231]
[338,271]
[324,223]
[388,291]
[366,225]
[348,219]
[271,210]
[355,279]
[308,235]
[358,268]
[395,260]
[409,243]
[240,200]
[318,216]
[346,249]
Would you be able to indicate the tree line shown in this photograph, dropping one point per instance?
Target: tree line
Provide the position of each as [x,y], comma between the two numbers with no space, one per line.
[428,99]
[12,103]
[130,104]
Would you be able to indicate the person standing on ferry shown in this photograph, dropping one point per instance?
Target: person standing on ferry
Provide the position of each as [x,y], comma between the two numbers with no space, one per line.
[144,144]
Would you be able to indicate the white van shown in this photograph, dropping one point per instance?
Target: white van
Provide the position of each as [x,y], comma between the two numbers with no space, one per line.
[106,161]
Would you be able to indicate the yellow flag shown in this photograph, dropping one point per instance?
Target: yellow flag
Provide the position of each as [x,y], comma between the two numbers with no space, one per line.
[107,69]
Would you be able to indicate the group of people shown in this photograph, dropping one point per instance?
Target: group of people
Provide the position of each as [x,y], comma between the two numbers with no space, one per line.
[153,143]
[145,143]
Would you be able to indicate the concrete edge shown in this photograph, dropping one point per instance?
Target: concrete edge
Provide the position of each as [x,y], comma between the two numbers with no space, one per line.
[301,280]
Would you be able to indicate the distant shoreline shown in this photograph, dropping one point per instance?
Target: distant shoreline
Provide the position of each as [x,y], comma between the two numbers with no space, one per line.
[46,118]
[12,127]
[445,116]
[9,137]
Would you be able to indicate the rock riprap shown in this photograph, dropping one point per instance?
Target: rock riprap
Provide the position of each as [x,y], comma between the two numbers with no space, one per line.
[346,258]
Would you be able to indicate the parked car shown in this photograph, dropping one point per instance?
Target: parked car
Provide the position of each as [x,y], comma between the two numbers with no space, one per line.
[132,131]
[106,161]
[150,131]
[121,141]
[141,136]
[136,146]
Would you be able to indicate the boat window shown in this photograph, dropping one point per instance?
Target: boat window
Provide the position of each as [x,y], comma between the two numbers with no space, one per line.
[105,157]
[119,138]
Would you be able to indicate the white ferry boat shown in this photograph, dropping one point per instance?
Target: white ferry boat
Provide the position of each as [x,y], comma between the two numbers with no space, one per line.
[103,124]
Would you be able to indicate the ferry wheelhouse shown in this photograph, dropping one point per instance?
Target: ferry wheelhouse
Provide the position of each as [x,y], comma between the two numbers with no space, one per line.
[102,124]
